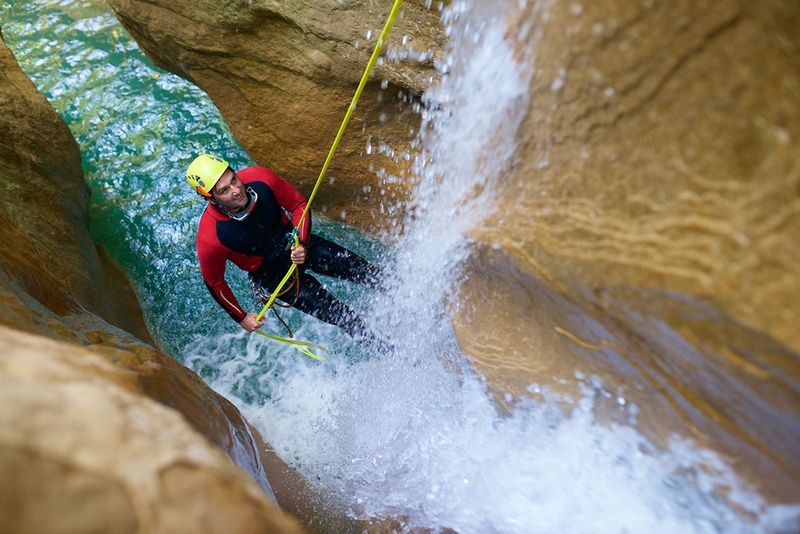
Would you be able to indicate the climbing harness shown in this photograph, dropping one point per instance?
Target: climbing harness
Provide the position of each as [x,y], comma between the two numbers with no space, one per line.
[304,346]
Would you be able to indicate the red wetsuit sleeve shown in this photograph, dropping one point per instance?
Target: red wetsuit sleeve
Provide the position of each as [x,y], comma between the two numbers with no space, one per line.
[212,258]
[293,201]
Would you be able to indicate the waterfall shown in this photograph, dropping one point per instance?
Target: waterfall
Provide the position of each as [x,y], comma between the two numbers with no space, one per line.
[412,433]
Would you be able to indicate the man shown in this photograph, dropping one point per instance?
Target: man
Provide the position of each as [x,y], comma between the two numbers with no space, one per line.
[246,222]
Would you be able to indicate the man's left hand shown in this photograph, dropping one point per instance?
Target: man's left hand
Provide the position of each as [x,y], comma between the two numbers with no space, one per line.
[298,254]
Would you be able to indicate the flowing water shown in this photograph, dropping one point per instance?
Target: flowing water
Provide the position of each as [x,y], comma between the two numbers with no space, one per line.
[411,433]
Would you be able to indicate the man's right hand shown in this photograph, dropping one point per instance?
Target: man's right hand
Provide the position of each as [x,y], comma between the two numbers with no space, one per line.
[250,323]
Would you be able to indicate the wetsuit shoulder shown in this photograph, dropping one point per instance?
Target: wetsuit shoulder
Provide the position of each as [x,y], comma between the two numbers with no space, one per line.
[287,196]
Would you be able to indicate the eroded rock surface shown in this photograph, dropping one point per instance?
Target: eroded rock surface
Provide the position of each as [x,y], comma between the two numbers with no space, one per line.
[80,452]
[649,229]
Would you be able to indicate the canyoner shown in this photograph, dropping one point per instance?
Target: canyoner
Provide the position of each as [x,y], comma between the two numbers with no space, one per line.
[246,222]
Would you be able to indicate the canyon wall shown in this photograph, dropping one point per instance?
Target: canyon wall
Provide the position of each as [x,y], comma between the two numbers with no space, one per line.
[647,234]
[99,431]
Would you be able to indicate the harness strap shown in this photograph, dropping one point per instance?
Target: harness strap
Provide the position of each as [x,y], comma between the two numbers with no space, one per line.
[285,325]
[294,284]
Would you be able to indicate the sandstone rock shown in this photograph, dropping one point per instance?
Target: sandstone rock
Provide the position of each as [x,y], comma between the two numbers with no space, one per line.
[650,225]
[44,212]
[80,453]
[283,75]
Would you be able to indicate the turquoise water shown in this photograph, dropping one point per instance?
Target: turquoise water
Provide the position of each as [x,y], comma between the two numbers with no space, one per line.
[411,433]
[138,128]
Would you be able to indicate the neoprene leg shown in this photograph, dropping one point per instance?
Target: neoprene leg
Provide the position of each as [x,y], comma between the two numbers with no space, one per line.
[318,302]
[331,259]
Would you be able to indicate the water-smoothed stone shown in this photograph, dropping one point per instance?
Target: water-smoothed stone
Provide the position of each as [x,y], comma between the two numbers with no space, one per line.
[101,431]
[43,210]
[80,452]
[649,229]
[283,75]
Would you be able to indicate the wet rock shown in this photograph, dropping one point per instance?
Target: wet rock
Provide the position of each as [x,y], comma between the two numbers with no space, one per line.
[649,232]
[87,454]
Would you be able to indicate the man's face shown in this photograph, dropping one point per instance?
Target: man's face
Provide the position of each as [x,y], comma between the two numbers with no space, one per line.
[230,192]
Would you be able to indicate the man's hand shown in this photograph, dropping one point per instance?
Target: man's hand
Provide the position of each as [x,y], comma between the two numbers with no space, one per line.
[250,323]
[298,254]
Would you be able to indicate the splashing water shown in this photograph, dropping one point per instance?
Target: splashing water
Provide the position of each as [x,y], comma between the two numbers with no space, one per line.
[412,433]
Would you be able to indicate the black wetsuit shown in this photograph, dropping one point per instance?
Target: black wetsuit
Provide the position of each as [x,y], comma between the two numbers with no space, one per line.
[330,259]
[257,245]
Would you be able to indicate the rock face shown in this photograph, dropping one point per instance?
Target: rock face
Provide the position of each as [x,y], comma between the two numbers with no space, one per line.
[283,75]
[651,234]
[44,216]
[87,454]
[101,432]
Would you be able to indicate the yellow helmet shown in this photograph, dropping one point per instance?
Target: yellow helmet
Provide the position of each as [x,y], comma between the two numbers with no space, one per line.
[204,172]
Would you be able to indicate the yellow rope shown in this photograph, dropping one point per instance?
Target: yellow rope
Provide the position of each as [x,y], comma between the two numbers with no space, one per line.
[303,346]
[364,78]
